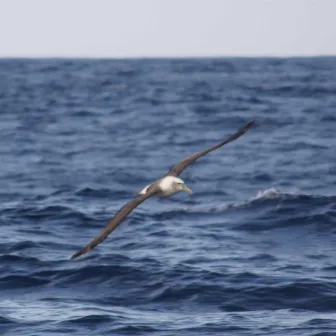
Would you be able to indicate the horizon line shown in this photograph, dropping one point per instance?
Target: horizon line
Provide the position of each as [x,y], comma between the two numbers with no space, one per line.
[270,56]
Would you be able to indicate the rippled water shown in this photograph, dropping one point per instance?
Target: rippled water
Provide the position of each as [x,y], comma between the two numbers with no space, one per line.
[251,252]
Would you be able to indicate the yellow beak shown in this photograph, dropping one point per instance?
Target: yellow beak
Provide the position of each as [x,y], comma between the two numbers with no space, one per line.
[185,188]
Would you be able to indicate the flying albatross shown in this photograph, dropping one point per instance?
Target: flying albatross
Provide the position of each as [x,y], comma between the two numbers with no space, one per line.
[168,185]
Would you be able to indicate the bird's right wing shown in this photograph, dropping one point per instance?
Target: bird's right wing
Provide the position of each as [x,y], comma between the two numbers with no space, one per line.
[177,169]
[115,221]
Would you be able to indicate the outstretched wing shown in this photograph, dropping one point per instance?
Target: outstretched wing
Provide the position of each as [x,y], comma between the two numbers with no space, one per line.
[115,221]
[179,167]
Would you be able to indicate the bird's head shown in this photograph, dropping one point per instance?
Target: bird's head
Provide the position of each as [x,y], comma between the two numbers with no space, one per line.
[181,186]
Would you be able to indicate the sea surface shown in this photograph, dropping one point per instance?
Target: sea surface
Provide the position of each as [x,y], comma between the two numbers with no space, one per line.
[251,252]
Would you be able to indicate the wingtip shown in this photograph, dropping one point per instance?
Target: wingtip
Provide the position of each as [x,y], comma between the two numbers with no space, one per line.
[73,256]
[81,252]
[77,254]
[248,125]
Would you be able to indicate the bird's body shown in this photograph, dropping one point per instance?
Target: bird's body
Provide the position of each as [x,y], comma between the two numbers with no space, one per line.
[168,185]
[164,187]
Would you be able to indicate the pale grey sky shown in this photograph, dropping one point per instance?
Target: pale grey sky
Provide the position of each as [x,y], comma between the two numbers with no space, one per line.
[137,28]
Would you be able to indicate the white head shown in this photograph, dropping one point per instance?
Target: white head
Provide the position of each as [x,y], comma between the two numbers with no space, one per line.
[172,184]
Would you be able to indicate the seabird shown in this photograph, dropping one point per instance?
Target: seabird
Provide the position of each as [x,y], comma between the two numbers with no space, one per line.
[168,185]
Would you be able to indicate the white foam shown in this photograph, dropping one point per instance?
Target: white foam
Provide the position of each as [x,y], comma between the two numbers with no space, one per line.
[268,194]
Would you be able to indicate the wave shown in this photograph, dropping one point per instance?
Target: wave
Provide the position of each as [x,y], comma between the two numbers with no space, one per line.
[5,321]
[271,193]
[90,320]
[269,209]
[20,281]
[261,198]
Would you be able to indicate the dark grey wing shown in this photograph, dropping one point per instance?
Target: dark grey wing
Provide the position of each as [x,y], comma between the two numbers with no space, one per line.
[179,167]
[114,222]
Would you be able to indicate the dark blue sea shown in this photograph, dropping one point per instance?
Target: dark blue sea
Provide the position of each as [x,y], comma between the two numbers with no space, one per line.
[251,252]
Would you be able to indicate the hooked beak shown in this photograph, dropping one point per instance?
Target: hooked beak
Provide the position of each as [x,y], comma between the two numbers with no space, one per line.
[186,189]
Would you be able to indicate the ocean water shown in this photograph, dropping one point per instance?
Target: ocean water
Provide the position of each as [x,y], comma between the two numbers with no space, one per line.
[251,252]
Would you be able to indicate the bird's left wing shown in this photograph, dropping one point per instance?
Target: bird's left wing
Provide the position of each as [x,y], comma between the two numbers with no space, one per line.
[115,221]
[177,169]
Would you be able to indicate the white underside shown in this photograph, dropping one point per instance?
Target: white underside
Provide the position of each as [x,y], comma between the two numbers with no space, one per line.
[167,186]
[143,191]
